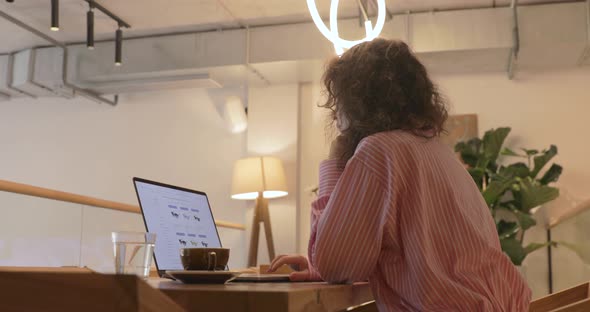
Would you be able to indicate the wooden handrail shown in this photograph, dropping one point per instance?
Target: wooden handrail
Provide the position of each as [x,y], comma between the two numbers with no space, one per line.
[30,190]
[573,299]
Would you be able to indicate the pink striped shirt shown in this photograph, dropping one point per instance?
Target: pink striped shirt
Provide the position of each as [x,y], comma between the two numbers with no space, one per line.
[405,214]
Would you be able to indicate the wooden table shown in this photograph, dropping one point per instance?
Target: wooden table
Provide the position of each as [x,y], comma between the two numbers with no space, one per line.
[45,289]
[65,290]
[261,297]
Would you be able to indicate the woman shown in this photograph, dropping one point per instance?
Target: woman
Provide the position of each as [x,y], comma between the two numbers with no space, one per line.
[395,206]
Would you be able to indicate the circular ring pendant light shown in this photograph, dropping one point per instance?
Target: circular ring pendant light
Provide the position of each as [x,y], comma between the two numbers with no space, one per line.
[332,33]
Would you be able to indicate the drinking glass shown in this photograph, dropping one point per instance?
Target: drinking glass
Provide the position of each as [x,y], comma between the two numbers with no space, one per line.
[133,252]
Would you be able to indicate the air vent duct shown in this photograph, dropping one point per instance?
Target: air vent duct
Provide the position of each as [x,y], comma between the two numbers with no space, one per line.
[39,72]
[6,90]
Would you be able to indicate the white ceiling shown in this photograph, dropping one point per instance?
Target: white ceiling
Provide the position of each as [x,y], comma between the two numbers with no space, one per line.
[163,16]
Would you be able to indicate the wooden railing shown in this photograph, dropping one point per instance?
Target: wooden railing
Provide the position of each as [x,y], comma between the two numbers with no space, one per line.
[25,189]
[575,299]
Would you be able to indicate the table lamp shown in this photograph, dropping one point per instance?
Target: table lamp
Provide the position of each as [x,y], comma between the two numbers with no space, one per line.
[259,178]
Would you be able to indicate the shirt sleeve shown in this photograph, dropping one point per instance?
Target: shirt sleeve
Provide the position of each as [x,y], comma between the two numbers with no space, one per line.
[330,172]
[347,222]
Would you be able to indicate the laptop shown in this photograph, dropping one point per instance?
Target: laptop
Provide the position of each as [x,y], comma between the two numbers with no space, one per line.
[181,218]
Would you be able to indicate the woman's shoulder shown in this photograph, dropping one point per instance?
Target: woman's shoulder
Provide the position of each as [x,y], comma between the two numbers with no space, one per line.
[378,152]
[382,145]
[387,139]
[378,146]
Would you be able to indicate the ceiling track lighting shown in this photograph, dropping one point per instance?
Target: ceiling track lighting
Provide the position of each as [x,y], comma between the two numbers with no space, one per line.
[118,46]
[118,34]
[54,15]
[90,28]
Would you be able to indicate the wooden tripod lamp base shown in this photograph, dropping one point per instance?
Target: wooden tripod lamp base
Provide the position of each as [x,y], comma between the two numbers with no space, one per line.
[257,178]
[261,215]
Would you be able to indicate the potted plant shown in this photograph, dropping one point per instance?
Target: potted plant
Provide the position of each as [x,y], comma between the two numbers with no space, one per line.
[512,191]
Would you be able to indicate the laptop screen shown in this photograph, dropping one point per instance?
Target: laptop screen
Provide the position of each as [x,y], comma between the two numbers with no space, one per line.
[181,218]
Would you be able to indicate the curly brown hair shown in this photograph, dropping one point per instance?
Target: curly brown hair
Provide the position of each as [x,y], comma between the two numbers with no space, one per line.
[381,86]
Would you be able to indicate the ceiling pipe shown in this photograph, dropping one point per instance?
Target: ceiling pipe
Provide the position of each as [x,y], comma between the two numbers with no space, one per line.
[242,26]
[408,28]
[82,92]
[388,13]
[363,15]
[586,52]
[494,40]
[513,57]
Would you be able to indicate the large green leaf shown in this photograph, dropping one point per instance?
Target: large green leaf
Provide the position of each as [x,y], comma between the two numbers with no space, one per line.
[532,194]
[469,151]
[500,183]
[541,160]
[478,175]
[506,229]
[525,220]
[493,141]
[513,248]
[495,190]
[508,152]
[552,175]
[519,169]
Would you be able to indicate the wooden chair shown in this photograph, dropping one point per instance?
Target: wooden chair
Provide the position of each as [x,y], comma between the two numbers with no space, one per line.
[576,299]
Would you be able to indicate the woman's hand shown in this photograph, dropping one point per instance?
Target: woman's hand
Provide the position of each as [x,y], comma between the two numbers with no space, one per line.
[338,148]
[297,263]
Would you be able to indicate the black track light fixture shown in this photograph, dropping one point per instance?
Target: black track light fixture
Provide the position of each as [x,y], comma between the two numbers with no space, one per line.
[54,15]
[118,47]
[90,28]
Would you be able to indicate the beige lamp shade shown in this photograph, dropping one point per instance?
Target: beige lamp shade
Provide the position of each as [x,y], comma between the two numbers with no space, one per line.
[258,174]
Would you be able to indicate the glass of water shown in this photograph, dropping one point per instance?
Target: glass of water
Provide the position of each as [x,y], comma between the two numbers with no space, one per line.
[133,252]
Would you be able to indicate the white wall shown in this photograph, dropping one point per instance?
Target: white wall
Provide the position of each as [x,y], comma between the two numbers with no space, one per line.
[542,108]
[273,131]
[314,147]
[82,147]
[178,137]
